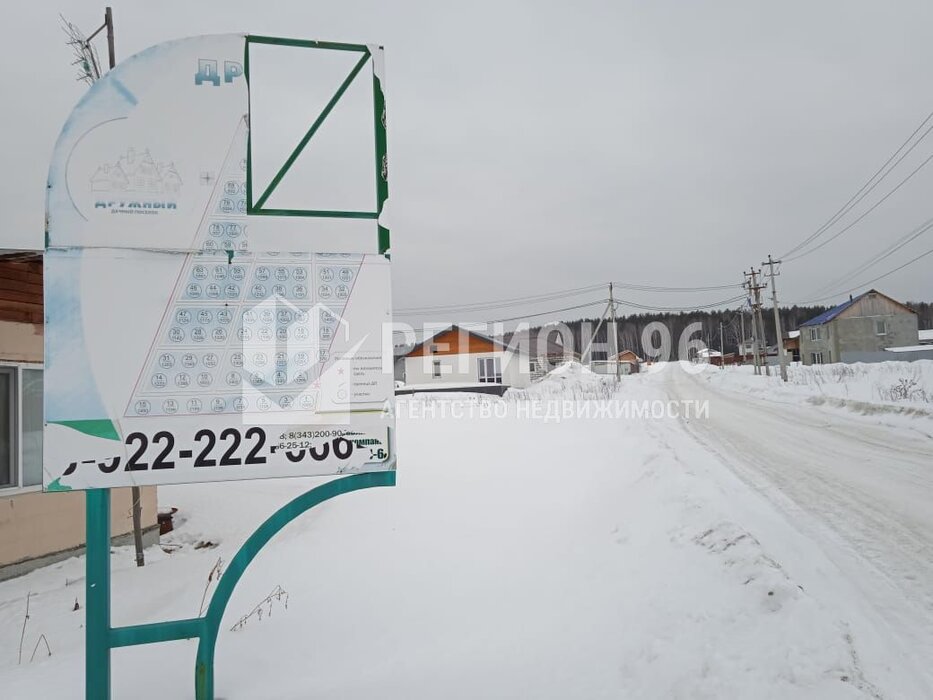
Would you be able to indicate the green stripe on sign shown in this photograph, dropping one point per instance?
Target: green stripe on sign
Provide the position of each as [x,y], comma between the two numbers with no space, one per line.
[57,485]
[102,427]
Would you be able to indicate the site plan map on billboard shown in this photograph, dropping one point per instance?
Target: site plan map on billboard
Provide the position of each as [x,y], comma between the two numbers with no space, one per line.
[215,311]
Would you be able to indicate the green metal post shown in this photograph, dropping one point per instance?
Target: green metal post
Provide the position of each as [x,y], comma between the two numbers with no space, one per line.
[97,596]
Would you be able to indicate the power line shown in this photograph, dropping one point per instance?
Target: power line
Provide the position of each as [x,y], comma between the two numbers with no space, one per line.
[862,192]
[649,288]
[699,307]
[866,213]
[871,281]
[548,296]
[878,257]
[487,305]
[546,313]
[623,302]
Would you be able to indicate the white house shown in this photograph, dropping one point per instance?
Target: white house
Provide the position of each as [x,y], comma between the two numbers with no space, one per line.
[458,359]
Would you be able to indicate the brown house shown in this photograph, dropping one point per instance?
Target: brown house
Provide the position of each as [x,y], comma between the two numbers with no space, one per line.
[37,528]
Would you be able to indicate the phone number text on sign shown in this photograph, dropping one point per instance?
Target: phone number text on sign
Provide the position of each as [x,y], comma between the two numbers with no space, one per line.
[243,447]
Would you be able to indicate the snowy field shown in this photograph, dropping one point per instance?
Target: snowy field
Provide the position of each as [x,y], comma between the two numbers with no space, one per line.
[775,548]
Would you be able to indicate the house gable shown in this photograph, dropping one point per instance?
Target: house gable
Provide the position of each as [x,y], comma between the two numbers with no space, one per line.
[455,341]
[874,303]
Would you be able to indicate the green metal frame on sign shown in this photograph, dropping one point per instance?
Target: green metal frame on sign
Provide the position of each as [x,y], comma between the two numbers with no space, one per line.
[102,638]
[257,207]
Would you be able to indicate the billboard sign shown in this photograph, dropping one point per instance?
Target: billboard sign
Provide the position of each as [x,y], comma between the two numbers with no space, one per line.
[214,301]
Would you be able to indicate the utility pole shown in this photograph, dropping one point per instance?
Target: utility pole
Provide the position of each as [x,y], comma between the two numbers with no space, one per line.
[722,349]
[742,342]
[95,74]
[614,345]
[760,321]
[111,52]
[136,493]
[602,320]
[750,284]
[777,317]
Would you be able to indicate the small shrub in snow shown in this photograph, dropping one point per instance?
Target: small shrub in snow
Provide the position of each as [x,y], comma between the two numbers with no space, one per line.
[905,389]
[278,594]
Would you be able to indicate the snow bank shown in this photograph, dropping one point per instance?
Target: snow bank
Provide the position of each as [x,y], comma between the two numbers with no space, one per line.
[892,384]
[570,380]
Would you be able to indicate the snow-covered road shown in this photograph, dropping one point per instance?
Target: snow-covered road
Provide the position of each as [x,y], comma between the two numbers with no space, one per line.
[859,487]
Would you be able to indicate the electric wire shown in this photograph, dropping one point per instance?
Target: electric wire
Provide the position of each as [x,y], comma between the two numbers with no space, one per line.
[878,257]
[862,216]
[549,296]
[871,281]
[698,307]
[862,192]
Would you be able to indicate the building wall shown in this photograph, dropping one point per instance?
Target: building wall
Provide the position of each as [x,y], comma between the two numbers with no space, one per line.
[21,290]
[20,342]
[857,334]
[464,368]
[826,344]
[36,524]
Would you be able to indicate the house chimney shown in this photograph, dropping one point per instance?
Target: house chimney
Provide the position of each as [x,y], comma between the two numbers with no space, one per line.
[850,297]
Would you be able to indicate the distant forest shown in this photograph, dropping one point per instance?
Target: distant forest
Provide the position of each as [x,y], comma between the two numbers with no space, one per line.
[630,327]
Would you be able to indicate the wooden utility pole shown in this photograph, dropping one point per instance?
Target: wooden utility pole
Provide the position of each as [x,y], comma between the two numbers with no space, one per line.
[777,317]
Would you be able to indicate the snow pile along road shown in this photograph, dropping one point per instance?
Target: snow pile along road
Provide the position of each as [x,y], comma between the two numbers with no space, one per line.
[902,385]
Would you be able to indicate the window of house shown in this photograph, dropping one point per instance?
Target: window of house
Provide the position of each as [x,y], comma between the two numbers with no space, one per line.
[437,368]
[881,328]
[432,349]
[816,358]
[490,370]
[532,366]
[20,426]
[816,333]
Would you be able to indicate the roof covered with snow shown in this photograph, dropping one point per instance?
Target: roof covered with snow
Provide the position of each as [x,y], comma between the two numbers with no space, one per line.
[926,336]
[910,348]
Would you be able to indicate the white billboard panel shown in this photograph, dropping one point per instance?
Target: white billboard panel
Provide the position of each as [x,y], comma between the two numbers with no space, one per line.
[189,337]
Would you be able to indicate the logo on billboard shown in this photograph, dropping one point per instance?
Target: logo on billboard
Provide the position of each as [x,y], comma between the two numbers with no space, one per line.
[136,183]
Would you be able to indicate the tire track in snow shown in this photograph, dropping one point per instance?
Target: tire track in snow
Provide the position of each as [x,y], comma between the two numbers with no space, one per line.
[863,492]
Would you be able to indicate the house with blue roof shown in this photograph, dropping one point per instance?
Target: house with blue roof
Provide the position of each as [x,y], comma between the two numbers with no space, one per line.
[858,330]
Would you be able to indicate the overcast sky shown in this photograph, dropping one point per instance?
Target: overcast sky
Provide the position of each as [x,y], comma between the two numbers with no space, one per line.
[543,146]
